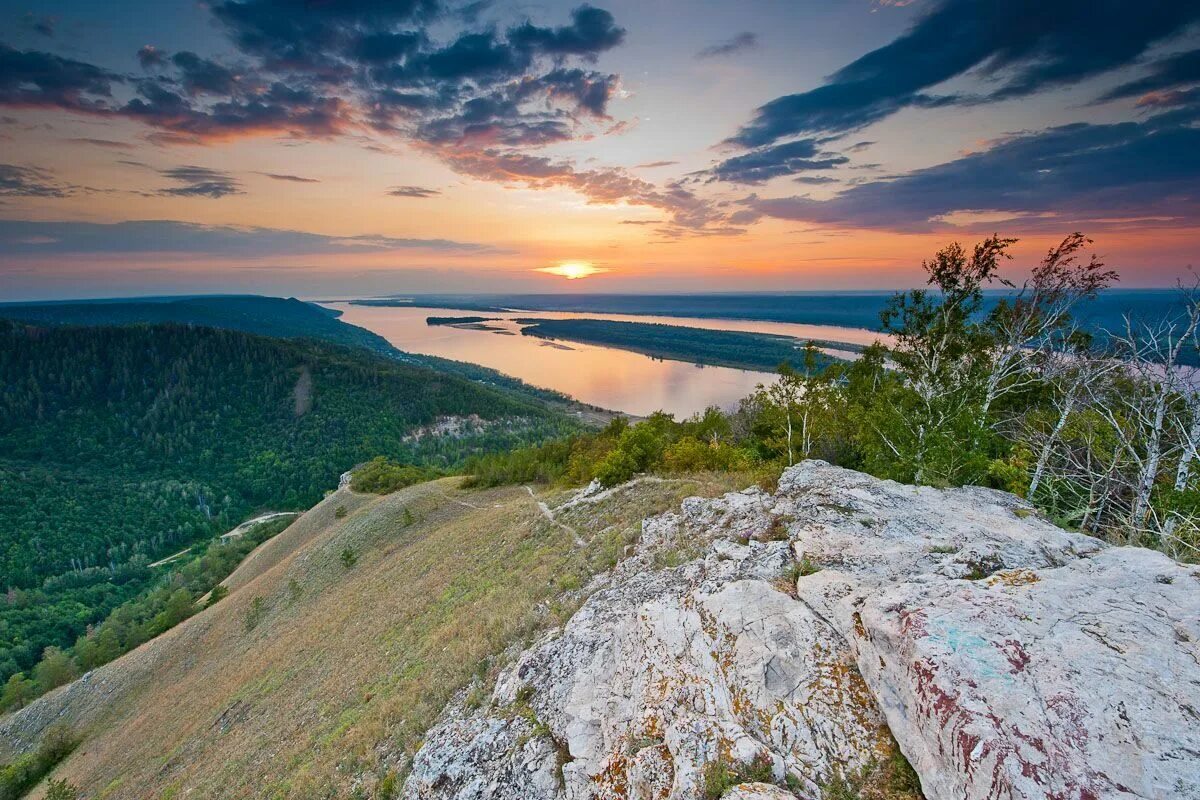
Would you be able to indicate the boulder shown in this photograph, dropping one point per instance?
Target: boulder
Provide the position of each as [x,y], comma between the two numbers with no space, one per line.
[1008,657]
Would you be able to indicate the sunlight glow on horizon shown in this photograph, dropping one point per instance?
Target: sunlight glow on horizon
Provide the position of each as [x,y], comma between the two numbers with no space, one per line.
[572,270]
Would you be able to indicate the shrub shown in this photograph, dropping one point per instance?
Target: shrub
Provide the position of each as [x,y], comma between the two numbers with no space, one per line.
[218,593]
[17,692]
[55,669]
[720,776]
[383,476]
[255,614]
[18,777]
[339,512]
[349,559]
[61,790]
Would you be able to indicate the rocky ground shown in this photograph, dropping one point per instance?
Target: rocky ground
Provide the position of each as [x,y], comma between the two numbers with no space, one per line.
[795,639]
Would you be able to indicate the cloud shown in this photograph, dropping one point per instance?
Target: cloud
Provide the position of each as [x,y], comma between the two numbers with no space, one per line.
[40,24]
[728,47]
[1081,172]
[1170,73]
[27,237]
[276,176]
[150,56]
[656,164]
[763,164]
[18,181]
[200,182]
[414,191]
[31,79]
[591,32]
[1018,47]
[107,143]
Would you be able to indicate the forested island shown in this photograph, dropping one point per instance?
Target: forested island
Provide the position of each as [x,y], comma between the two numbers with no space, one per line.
[737,349]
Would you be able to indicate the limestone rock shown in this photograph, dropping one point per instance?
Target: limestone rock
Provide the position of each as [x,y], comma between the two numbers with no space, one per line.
[1010,658]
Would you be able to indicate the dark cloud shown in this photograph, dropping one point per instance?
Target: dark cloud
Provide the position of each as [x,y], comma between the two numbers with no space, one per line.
[200,182]
[1094,173]
[40,24]
[276,176]
[150,56]
[203,76]
[1019,46]
[765,163]
[1165,75]
[743,41]
[18,181]
[419,192]
[591,32]
[26,237]
[656,164]
[31,79]
[814,180]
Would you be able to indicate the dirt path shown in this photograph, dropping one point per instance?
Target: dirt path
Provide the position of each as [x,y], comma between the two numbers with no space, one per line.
[234,532]
[548,514]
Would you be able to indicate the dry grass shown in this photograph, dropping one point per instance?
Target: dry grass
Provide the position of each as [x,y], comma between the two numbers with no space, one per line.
[346,667]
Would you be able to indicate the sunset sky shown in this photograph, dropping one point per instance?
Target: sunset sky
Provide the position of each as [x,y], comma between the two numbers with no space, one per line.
[354,147]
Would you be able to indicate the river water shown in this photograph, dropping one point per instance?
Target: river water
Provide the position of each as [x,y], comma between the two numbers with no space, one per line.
[603,376]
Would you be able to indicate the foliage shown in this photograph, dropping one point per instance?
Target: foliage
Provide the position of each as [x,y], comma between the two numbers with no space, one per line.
[61,790]
[381,475]
[22,774]
[122,445]
[720,776]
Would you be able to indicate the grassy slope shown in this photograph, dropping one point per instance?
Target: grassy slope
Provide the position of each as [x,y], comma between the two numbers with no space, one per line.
[348,667]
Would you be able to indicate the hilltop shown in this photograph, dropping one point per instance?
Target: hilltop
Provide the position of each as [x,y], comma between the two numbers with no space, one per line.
[841,636]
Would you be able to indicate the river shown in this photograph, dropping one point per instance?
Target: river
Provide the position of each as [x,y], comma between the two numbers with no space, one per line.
[603,376]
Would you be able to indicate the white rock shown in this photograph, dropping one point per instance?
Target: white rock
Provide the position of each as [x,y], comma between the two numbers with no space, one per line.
[1010,658]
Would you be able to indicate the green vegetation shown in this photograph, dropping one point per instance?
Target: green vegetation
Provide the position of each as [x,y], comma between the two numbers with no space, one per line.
[22,774]
[125,444]
[457,320]
[172,599]
[382,475]
[720,776]
[268,316]
[1013,397]
[739,349]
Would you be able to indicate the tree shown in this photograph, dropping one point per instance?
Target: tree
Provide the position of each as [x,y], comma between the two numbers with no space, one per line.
[61,790]
[1037,321]
[55,669]
[18,691]
[940,354]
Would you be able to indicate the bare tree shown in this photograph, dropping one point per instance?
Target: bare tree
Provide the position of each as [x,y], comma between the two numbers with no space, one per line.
[1033,322]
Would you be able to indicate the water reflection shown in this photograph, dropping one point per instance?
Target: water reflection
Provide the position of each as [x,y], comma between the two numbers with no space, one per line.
[602,376]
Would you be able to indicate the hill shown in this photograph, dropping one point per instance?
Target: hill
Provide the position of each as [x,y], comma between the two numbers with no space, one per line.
[286,318]
[312,674]
[840,637]
[120,445]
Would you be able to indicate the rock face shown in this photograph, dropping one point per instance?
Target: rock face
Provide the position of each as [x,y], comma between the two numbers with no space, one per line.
[1009,658]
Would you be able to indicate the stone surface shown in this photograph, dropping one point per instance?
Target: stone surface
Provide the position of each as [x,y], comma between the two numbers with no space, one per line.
[1010,658]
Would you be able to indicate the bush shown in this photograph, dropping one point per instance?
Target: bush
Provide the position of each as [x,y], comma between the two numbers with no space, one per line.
[349,559]
[219,593]
[720,776]
[18,777]
[55,669]
[61,790]
[383,476]
[254,614]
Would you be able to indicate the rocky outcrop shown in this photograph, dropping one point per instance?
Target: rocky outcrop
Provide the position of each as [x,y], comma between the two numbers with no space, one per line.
[792,631]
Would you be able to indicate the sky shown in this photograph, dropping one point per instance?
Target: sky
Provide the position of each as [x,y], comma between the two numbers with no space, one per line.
[334,148]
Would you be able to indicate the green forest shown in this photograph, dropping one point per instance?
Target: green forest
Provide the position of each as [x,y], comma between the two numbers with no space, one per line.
[119,445]
[738,349]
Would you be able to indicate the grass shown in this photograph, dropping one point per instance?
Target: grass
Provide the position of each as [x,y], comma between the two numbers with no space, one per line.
[343,670]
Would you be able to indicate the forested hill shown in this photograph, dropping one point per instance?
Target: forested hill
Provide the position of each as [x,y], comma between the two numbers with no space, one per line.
[123,444]
[286,318]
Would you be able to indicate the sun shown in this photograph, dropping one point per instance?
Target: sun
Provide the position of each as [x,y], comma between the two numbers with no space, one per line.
[572,270]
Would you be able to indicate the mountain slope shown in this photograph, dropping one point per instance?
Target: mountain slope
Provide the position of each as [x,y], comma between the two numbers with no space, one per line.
[334,680]
[745,640]
[120,445]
